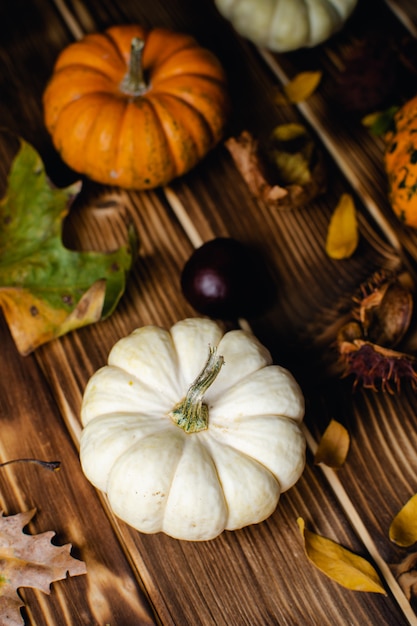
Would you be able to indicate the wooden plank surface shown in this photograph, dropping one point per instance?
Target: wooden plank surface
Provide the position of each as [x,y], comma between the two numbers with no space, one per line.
[258,575]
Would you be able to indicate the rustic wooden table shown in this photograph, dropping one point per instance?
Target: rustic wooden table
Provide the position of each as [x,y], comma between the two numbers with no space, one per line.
[258,575]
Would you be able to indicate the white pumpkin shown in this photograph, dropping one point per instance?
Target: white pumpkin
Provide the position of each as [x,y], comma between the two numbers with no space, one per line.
[192,460]
[284,25]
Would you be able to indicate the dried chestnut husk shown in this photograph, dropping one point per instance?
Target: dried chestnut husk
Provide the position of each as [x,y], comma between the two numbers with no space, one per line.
[369,78]
[372,345]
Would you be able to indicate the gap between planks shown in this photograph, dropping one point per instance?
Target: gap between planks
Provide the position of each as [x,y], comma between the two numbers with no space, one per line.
[330,474]
[337,156]
[196,240]
[402,16]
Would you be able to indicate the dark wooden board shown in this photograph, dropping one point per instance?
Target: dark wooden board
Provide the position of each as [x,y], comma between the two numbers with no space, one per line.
[258,575]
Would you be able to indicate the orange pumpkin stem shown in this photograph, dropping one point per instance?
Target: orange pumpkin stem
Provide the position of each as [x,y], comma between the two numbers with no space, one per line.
[134,83]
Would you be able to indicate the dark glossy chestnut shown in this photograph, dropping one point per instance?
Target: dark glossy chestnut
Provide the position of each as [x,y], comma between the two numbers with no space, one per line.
[226,279]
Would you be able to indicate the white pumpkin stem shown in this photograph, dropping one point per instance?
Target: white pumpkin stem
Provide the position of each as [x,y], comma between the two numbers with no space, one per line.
[191,414]
[133,83]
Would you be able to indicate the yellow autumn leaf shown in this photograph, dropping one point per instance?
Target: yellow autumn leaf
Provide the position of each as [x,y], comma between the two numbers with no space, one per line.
[293,152]
[30,329]
[403,529]
[341,565]
[333,446]
[370,119]
[280,98]
[343,234]
[380,122]
[289,132]
[302,86]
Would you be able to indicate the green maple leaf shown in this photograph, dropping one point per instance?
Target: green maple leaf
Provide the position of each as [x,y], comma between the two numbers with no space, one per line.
[46,289]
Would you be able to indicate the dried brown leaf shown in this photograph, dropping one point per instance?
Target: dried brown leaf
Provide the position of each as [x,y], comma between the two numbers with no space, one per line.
[29,561]
[406,574]
[302,86]
[343,234]
[341,565]
[245,153]
[403,529]
[333,446]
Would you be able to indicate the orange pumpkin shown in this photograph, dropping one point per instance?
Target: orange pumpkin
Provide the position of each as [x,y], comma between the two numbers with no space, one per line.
[401,163]
[135,108]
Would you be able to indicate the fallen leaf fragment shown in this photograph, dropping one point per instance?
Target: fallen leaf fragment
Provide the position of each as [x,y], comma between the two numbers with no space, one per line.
[293,153]
[297,177]
[302,86]
[46,289]
[29,561]
[406,574]
[244,151]
[380,122]
[341,565]
[343,234]
[280,98]
[403,529]
[333,446]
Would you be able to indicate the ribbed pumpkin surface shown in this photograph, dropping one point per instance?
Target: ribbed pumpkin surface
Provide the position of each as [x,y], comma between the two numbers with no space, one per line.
[135,141]
[401,164]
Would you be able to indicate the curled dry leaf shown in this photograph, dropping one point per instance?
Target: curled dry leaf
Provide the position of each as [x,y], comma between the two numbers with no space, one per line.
[343,235]
[244,151]
[403,529]
[333,446]
[285,174]
[406,574]
[29,561]
[293,153]
[341,565]
[302,86]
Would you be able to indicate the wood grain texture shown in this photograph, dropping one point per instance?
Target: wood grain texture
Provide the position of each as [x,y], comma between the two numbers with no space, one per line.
[358,154]
[65,503]
[258,575]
